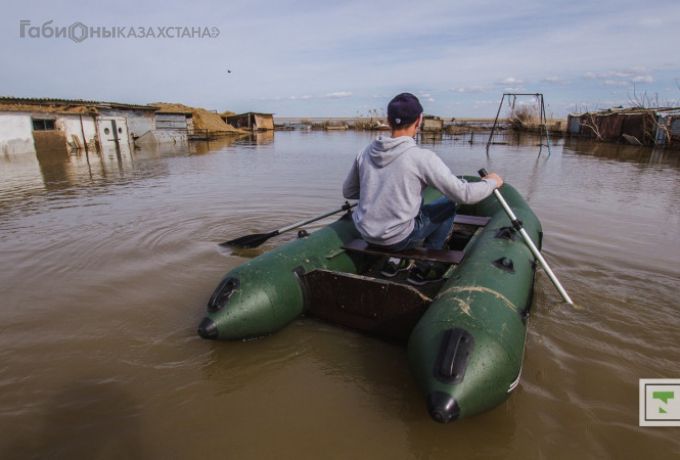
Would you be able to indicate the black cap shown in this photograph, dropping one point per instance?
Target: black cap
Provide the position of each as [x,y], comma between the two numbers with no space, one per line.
[403,110]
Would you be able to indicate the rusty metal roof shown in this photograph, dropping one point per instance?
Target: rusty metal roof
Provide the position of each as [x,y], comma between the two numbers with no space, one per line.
[630,111]
[8,100]
[246,114]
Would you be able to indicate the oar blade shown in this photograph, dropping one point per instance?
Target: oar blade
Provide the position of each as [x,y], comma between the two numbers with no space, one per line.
[253,241]
[249,241]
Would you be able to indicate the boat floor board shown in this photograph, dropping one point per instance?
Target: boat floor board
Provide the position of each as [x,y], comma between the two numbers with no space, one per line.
[375,306]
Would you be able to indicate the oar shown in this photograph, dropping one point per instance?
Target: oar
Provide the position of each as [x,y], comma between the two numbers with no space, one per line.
[253,241]
[527,239]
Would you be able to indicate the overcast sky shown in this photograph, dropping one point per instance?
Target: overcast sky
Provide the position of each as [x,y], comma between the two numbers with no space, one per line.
[315,58]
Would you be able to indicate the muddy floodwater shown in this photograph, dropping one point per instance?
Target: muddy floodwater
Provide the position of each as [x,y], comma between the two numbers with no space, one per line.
[108,262]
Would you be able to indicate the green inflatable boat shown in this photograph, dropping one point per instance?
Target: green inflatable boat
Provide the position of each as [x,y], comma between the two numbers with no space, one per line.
[465,335]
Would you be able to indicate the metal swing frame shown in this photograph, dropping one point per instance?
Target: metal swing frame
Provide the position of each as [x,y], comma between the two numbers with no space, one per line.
[543,127]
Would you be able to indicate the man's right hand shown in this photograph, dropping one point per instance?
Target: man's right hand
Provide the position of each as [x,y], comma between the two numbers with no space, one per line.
[495,177]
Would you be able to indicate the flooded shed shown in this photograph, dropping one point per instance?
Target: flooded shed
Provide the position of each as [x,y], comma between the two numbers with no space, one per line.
[170,126]
[28,125]
[201,124]
[674,126]
[574,123]
[432,124]
[643,126]
[668,131]
[252,121]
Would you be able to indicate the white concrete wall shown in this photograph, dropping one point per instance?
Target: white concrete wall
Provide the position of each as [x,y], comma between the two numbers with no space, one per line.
[163,136]
[16,133]
[70,125]
[138,122]
[16,129]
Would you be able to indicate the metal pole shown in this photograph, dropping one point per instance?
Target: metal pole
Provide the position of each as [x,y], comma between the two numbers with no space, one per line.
[345,207]
[493,128]
[535,250]
[532,247]
[547,134]
[538,99]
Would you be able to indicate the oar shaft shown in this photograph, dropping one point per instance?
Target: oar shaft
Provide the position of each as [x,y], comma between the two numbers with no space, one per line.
[314,219]
[546,267]
[253,241]
[534,250]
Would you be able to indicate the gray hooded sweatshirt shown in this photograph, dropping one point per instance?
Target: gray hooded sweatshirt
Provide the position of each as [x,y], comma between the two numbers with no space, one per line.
[388,178]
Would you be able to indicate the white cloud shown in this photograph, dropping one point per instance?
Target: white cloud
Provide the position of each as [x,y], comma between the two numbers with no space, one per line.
[621,77]
[554,80]
[512,81]
[470,89]
[338,94]
[615,82]
[643,79]
[606,75]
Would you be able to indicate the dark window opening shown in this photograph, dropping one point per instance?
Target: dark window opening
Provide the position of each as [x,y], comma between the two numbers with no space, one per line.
[43,124]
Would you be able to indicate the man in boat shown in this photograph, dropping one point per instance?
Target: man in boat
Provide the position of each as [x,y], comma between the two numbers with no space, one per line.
[388,178]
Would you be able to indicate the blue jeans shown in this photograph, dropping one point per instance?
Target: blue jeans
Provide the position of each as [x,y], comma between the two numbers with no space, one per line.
[432,228]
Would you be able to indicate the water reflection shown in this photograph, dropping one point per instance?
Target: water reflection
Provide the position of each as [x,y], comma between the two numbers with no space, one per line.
[623,152]
[500,138]
[164,150]
[60,169]
[431,138]
[263,137]
[213,145]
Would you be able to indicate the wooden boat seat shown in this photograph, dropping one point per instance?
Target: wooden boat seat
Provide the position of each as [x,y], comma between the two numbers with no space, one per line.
[477,221]
[433,255]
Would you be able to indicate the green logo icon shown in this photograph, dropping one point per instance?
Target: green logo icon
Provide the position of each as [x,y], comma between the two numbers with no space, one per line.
[663,396]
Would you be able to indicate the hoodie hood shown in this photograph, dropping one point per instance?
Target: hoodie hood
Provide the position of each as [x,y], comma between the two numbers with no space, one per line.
[384,150]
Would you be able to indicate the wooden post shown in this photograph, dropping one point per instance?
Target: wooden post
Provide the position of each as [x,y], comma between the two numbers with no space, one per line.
[100,147]
[82,130]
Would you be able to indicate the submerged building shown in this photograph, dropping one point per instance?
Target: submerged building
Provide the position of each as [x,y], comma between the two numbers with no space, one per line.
[432,124]
[29,125]
[171,125]
[251,121]
[640,126]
